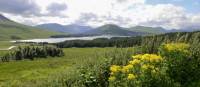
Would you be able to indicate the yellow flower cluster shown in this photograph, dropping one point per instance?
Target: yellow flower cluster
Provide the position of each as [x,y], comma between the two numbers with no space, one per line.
[131,76]
[139,62]
[146,57]
[115,68]
[147,66]
[112,78]
[176,46]
[126,68]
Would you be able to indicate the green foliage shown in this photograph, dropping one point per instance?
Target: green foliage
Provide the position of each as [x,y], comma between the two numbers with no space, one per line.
[146,70]
[32,52]
[97,74]
[103,42]
[150,44]
[62,71]
[181,62]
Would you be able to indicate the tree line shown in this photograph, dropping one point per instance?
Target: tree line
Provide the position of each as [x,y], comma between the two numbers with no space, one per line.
[32,52]
[102,42]
[149,44]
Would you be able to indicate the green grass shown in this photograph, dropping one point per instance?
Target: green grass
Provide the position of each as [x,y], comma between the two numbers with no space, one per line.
[9,29]
[39,72]
[5,44]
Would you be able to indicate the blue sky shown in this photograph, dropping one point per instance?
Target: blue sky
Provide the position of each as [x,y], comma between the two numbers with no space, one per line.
[192,6]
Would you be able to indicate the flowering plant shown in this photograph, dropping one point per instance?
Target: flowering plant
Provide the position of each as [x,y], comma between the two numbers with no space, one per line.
[141,70]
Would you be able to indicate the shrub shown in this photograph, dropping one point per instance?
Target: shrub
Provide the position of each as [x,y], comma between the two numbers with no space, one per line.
[97,74]
[182,67]
[142,71]
[32,52]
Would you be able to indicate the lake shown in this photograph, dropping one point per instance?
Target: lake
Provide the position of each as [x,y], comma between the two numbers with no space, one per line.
[57,40]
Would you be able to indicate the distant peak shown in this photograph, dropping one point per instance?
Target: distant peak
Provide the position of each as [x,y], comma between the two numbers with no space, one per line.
[111,25]
[3,18]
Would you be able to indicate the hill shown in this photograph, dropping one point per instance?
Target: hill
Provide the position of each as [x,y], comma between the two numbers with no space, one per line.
[12,30]
[68,29]
[151,30]
[111,29]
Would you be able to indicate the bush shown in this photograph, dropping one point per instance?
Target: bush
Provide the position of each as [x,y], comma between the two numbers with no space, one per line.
[97,74]
[142,71]
[182,66]
[33,52]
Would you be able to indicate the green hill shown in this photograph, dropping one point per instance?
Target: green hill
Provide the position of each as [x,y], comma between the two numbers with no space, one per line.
[11,30]
[151,30]
[111,29]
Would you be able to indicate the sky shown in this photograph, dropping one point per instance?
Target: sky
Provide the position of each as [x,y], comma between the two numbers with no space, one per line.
[169,14]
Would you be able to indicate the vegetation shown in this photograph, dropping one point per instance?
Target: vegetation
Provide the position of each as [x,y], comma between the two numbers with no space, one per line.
[142,71]
[32,52]
[102,42]
[167,60]
[60,71]
[150,44]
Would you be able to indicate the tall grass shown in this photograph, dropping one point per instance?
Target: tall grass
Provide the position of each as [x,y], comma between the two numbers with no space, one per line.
[63,71]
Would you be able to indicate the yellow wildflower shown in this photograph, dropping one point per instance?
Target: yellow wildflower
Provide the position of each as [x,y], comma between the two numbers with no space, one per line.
[137,56]
[147,66]
[144,67]
[115,68]
[127,68]
[155,58]
[146,57]
[112,78]
[176,46]
[131,76]
[134,62]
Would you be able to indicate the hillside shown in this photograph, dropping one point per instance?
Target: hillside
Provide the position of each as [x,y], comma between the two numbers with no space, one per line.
[12,30]
[68,29]
[151,30]
[111,29]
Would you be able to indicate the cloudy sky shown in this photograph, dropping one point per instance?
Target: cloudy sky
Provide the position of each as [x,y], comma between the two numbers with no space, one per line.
[170,14]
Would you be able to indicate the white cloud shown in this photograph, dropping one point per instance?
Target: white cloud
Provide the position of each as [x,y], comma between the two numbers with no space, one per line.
[125,13]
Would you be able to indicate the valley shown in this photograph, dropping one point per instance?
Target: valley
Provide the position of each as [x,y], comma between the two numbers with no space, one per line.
[99,43]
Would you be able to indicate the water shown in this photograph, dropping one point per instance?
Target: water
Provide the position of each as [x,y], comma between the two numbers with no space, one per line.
[57,40]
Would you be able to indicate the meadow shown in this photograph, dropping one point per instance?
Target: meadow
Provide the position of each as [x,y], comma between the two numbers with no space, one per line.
[42,72]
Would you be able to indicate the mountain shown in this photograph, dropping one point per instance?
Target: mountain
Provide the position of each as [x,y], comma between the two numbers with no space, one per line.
[13,30]
[3,18]
[69,29]
[111,29]
[52,27]
[150,30]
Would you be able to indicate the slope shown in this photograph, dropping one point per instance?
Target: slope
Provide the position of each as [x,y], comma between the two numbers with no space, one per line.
[12,30]
[111,29]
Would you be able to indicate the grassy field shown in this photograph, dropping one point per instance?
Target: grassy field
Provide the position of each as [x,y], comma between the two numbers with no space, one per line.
[39,72]
[5,44]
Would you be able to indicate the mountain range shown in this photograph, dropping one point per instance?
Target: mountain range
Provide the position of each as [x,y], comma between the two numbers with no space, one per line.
[13,30]
[68,29]
[108,29]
